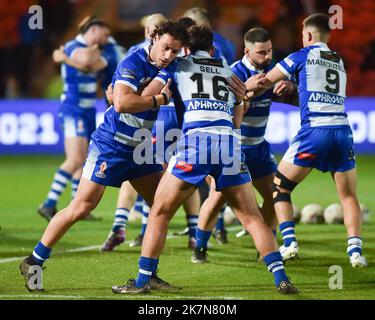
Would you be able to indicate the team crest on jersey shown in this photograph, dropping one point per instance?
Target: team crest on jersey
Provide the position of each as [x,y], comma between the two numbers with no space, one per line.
[182,165]
[100,174]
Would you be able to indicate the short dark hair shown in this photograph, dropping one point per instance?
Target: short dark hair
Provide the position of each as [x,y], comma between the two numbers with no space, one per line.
[319,21]
[176,29]
[187,22]
[90,21]
[201,38]
[257,35]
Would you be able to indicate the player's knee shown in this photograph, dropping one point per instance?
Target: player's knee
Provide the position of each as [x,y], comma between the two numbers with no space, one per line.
[80,210]
[282,188]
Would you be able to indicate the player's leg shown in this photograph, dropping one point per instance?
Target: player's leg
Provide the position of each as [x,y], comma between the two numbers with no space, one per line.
[287,177]
[243,201]
[207,219]
[264,186]
[75,151]
[88,196]
[191,207]
[125,201]
[346,185]
[169,196]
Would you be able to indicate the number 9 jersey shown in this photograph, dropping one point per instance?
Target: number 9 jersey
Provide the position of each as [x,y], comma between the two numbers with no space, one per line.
[325,141]
[321,79]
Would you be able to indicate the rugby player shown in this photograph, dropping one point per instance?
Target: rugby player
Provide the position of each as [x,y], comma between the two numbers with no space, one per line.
[77,111]
[110,159]
[325,140]
[207,135]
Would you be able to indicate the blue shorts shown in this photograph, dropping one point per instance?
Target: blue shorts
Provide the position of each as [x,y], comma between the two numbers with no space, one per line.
[80,124]
[110,164]
[195,160]
[165,133]
[260,160]
[326,149]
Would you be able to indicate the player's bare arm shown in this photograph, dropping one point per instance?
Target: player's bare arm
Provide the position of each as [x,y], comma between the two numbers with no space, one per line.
[127,100]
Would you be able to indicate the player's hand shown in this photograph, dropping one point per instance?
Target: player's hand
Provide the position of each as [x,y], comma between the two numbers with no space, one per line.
[237,87]
[256,82]
[109,94]
[167,90]
[282,87]
[59,55]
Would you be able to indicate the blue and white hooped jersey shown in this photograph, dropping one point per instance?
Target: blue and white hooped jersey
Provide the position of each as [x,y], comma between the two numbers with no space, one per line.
[79,87]
[202,86]
[321,78]
[134,71]
[254,122]
[114,53]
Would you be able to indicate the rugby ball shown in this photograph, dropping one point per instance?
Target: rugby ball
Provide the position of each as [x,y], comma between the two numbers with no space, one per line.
[312,214]
[229,216]
[365,213]
[334,214]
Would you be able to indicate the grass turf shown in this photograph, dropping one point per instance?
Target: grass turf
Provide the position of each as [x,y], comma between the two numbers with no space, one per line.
[232,272]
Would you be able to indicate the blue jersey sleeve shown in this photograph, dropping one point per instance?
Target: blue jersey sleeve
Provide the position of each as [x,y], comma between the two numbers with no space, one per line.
[236,69]
[292,64]
[128,72]
[167,73]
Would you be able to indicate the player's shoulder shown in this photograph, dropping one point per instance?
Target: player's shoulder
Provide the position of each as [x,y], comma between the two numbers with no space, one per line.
[76,43]
[136,58]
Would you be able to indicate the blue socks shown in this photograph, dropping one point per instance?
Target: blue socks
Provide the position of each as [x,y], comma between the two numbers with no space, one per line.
[192,222]
[287,230]
[41,253]
[202,238]
[60,180]
[275,265]
[121,218]
[138,203]
[145,212]
[220,220]
[75,183]
[147,267]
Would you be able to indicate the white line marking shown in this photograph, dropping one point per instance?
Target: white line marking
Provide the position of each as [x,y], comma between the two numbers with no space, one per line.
[96,247]
[116,296]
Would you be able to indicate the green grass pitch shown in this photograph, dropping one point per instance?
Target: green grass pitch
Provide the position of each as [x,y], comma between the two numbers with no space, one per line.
[232,272]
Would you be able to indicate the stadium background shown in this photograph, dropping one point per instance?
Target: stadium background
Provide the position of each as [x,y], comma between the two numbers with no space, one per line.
[31,142]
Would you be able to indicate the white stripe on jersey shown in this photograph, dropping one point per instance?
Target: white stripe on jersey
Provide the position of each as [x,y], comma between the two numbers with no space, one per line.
[127,84]
[328,121]
[251,141]
[217,130]
[134,121]
[87,103]
[204,115]
[87,87]
[282,69]
[125,139]
[326,107]
[256,122]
